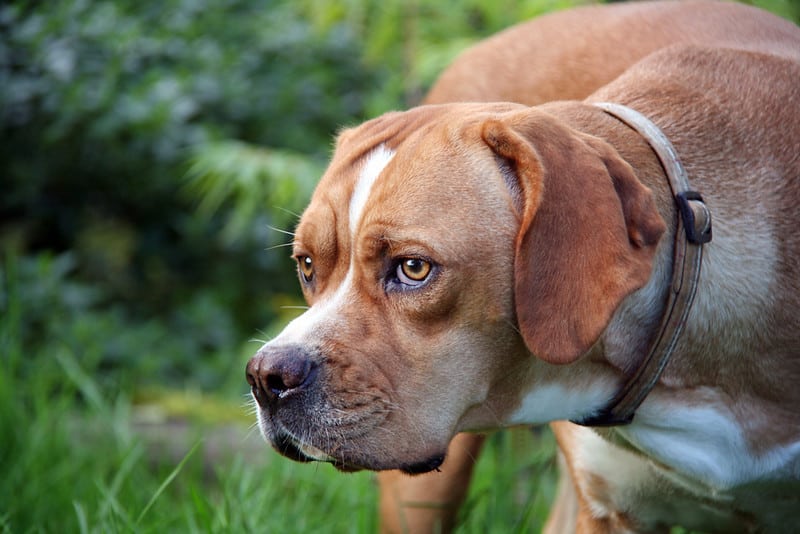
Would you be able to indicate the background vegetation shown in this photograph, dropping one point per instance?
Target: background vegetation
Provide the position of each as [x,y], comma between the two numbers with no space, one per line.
[152,155]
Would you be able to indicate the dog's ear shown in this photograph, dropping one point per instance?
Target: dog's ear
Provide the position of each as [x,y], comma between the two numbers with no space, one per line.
[588,231]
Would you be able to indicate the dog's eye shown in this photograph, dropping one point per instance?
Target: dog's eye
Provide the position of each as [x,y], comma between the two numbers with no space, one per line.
[306,267]
[413,271]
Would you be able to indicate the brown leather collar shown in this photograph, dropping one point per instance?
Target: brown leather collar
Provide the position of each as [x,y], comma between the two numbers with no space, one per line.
[694,229]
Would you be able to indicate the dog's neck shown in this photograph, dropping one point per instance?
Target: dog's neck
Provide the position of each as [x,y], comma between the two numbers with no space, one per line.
[693,230]
[696,416]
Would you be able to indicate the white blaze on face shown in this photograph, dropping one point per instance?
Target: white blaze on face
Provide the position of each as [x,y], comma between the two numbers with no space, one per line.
[376,162]
[300,328]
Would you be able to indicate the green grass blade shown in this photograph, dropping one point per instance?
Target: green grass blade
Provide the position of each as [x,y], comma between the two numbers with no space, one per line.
[167,482]
[80,513]
[81,379]
[116,507]
[125,468]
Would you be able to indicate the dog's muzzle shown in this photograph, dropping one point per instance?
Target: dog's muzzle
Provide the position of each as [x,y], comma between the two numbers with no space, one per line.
[303,419]
[283,381]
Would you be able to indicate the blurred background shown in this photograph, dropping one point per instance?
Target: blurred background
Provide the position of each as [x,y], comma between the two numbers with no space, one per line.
[154,155]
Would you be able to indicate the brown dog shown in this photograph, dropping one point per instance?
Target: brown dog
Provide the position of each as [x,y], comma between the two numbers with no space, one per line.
[474,266]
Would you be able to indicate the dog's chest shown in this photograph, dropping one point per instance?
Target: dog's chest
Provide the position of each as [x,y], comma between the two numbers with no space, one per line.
[708,443]
[641,471]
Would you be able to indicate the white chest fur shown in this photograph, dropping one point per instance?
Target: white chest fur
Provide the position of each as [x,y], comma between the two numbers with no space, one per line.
[695,469]
[706,443]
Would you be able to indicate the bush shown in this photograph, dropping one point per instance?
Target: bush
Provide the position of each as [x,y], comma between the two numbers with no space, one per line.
[101,104]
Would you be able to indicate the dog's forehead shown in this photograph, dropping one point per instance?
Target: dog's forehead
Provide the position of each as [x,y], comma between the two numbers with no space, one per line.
[418,174]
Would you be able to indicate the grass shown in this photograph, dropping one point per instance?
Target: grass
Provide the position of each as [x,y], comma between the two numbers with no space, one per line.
[77,455]
[73,466]
[514,484]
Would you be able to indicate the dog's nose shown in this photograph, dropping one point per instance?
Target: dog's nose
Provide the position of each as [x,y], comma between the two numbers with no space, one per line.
[274,374]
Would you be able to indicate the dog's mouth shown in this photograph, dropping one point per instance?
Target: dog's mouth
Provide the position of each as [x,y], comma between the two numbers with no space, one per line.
[297,450]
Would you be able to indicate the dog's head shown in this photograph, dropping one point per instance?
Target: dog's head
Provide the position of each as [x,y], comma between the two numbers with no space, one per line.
[443,247]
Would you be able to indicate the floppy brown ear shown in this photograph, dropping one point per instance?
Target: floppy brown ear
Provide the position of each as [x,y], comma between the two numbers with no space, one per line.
[589,231]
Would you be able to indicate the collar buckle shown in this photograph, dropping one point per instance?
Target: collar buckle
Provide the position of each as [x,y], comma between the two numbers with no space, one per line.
[695,215]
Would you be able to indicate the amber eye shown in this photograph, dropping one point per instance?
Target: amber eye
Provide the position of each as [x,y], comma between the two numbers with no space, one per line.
[306,266]
[413,271]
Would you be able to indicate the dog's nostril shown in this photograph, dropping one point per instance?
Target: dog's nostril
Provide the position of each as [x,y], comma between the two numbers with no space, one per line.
[288,374]
[276,384]
[271,376]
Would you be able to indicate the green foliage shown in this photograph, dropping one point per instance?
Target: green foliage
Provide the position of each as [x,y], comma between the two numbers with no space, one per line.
[410,42]
[163,146]
[249,177]
[102,103]
[789,9]
[54,312]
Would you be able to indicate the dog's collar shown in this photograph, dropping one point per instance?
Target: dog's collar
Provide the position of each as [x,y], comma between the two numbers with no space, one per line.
[693,230]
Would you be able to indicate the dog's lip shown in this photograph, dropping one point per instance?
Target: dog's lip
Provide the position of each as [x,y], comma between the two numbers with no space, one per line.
[295,449]
[287,446]
[314,453]
[431,464]
[299,451]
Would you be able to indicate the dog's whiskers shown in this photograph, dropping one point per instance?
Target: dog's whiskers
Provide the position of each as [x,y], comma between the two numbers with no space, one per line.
[286,210]
[281,231]
[280,245]
[261,341]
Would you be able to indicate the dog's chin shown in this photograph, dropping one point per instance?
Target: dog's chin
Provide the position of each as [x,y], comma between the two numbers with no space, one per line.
[295,450]
[418,468]
[431,464]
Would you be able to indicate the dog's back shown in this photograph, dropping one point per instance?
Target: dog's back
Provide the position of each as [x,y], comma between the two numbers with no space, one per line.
[568,54]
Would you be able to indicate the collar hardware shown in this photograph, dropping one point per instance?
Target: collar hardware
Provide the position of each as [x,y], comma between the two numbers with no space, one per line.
[695,215]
